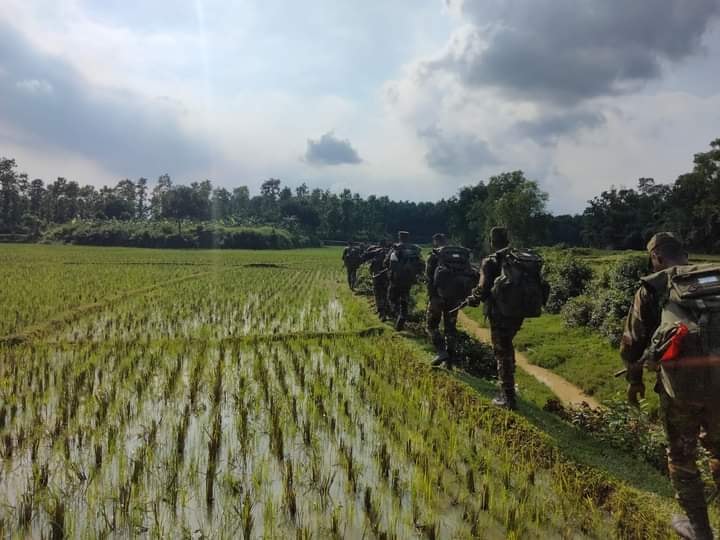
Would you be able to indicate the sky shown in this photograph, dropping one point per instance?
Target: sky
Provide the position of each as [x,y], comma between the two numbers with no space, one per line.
[407,98]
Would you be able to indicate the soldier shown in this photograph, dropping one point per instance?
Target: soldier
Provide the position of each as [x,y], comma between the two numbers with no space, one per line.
[351,259]
[502,328]
[375,255]
[683,418]
[450,278]
[404,264]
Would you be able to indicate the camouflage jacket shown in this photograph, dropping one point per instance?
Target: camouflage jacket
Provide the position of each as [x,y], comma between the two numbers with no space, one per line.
[376,255]
[489,271]
[642,320]
[430,267]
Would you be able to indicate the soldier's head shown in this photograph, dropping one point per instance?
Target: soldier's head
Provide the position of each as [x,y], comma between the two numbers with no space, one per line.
[666,250]
[349,243]
[498,238]
[403,236]
[439,240]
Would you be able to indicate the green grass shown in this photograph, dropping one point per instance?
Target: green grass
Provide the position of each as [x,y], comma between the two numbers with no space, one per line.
[577,445]
[580,355]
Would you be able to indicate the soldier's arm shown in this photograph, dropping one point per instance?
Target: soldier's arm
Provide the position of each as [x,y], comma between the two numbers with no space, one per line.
[641,322]
[430,267]
[488,273]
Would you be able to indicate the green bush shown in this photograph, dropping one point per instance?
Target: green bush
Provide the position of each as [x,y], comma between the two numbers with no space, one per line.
[152,234]
[621,426]
[577,311]
[568,277]
[607,299]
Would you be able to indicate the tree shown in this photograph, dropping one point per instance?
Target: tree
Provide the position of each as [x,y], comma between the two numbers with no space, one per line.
[180,203]
[221,204]
[141,190]
[164,184]
[518,204]
[13,187]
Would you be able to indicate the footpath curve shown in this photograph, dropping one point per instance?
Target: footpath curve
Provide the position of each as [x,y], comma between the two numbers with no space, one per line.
[566,392]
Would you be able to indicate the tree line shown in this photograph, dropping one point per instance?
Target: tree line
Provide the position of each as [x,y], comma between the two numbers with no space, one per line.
[618,218]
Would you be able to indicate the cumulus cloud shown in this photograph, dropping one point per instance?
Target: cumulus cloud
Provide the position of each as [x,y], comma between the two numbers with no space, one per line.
[330,150]
[549,127]
[53,105]
[566,51]
[524,77]
[455,154]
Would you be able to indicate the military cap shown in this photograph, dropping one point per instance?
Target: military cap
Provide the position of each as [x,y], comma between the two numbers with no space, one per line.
[403,235]
[440,237]
[663,238]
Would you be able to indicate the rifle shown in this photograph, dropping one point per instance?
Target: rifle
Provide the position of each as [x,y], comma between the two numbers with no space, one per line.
[380,273]
[461,305]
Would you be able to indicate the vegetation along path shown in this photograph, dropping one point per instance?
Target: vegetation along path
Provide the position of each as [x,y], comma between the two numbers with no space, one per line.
[567,392]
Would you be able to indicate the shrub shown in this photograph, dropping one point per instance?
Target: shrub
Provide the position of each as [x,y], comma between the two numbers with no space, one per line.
[622,426]
[568,277]
[607,299]
[165,235]
[614,293]
[577,311]
[475,357]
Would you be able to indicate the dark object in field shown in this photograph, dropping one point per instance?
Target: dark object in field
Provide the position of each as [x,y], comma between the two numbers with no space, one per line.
[263,265]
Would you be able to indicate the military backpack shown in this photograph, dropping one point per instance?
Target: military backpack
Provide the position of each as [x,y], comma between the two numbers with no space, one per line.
[519,291]
[455,277]
[406,263]
[685,348]
[353,257]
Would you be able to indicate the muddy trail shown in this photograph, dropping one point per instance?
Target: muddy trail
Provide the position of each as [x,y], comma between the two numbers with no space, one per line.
[566,392]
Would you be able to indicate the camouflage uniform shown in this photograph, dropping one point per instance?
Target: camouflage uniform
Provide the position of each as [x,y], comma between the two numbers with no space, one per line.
[502,329]
[682,420]
[439,310]
[351,266]
[376,255]
[398,291]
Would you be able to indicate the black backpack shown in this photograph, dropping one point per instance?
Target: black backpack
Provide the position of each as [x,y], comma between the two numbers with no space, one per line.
[455,277]
[406,263]
[519,291]
[353,259]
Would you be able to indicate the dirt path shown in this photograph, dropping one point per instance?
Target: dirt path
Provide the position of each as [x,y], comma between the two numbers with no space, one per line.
[566,392]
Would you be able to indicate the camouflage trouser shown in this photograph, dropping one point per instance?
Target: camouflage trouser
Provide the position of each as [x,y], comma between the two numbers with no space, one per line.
[380,290]
[683,422]
[399,298]
[502,336]
[438,311]
[351,275]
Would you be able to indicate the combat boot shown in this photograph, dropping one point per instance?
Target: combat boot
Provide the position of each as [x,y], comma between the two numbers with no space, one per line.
[400,323]
[441,357]
[506,399]
[696,527]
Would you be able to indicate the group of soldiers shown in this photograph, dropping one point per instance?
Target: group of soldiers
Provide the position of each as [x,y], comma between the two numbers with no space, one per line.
[452,283]
[672,329]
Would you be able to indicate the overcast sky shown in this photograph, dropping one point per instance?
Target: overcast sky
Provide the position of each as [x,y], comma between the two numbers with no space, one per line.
[407,98]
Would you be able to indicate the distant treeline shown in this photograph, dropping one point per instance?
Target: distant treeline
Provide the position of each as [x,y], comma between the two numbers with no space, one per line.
[136,213]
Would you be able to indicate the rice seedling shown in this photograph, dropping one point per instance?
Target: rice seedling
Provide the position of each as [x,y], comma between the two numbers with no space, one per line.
[251,399]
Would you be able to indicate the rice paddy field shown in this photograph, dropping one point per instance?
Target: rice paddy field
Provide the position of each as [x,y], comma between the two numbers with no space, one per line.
[204,394]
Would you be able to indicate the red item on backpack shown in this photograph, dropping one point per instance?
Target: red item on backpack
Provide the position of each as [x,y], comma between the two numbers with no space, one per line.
[673,350]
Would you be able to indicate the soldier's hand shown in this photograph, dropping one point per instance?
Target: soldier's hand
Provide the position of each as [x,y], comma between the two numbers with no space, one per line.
[473,301]
[635,392]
